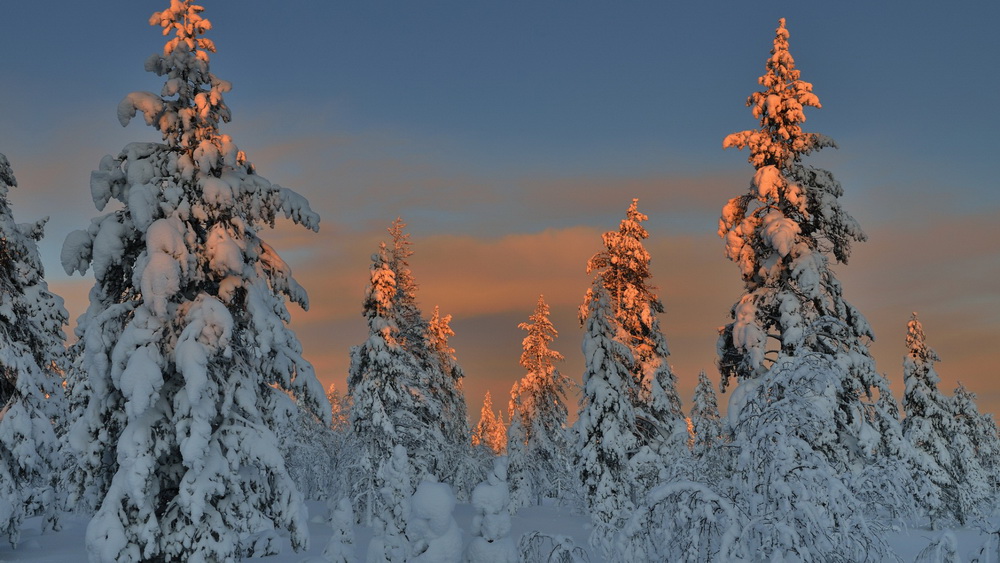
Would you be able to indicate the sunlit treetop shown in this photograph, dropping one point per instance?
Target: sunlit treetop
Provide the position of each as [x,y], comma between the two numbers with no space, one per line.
[780,109]
[190,106]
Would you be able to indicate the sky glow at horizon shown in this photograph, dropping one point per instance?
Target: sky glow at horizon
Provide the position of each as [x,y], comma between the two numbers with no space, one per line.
[509,136]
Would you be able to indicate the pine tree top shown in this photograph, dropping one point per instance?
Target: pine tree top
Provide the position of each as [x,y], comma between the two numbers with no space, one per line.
[190,106]
[779,107]
[916,343]
[536,356]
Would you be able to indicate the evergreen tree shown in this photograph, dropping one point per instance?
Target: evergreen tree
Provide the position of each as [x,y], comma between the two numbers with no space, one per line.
[340,408]
[928,425]
[706,424]
[623,269]
[439,401]
[454,412]
[32,361]
[185,354]
[981,431]
[538,444]
[383,413]
[811,413]
[490,431]
[938,434]
[606,422]
[780,233]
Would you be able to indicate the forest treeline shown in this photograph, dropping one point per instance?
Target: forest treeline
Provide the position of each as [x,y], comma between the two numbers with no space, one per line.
[186,422]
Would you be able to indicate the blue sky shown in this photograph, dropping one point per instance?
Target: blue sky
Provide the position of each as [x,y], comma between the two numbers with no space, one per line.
[509,135]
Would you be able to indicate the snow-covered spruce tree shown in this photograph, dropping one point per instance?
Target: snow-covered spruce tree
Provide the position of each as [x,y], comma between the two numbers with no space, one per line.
[491,541]
[706,423]
[186,356]
[490,431]
[313,452]
[606,423]
[623,268]
[981,430]
[438,402]
[780,234]
[383,414]
[538,450]
[32,361]
[938,435]
[454,411]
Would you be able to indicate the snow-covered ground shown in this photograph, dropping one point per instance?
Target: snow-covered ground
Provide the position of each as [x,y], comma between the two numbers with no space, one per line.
[67,545]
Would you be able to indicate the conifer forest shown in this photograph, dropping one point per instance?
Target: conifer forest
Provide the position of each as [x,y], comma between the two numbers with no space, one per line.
[179,417]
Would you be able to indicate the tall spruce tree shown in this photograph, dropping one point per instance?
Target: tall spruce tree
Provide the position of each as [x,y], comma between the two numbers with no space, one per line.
[186,356]
[538,444]
[780,234]
[623,268]
[32,361]
[439,402]
[383,413]
[797,346]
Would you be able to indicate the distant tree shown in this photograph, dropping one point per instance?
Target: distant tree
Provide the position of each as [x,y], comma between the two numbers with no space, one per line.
[340,408]
[623,269]
[186,356]
[981,430]
[706,424]
[606,423]
[383,414]
[929,424]
[439,402]
[490,431]
[448,378]
[32,363]
[538,443]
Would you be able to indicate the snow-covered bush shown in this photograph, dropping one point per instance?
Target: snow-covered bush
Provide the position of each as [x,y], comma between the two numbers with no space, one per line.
[942,550]
[340,547]
[491,541]
[793,502]
[389,542]
[433,533]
